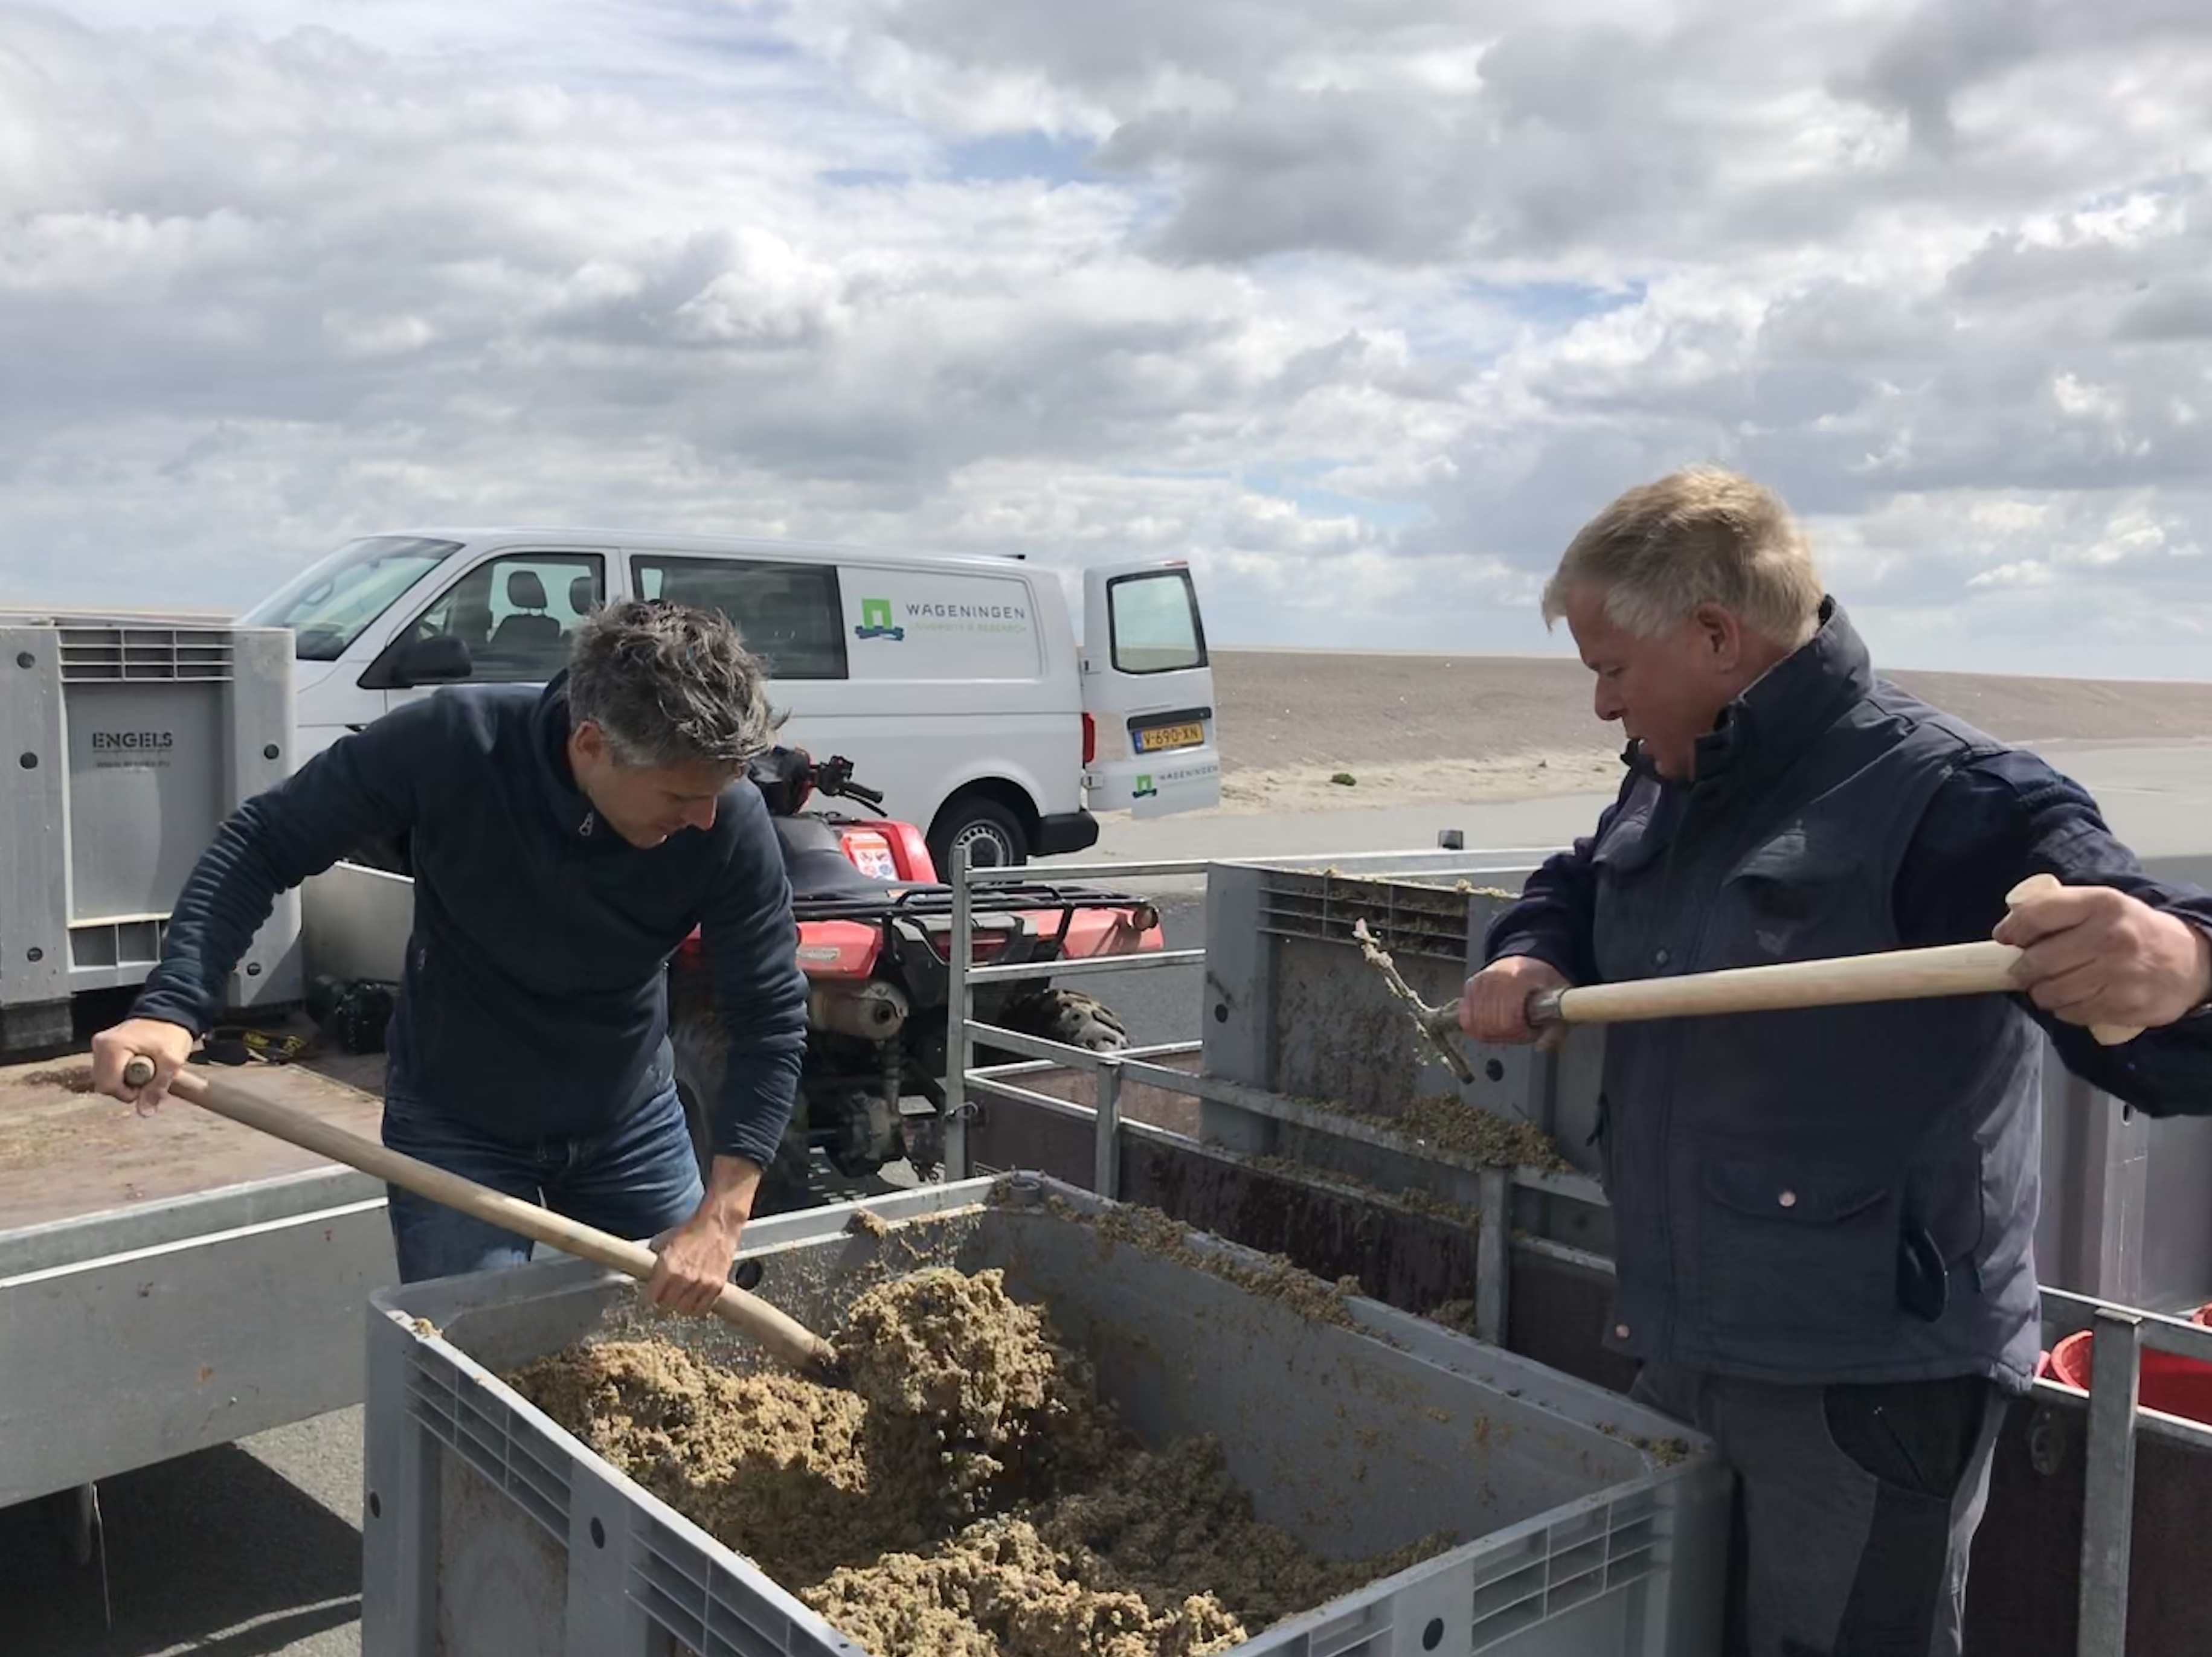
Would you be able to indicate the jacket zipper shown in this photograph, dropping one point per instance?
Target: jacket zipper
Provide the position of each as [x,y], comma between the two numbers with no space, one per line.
[1669,1159]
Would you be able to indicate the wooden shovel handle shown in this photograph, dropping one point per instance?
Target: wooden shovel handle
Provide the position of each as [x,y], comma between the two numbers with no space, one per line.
[782,1334]
[1847,980]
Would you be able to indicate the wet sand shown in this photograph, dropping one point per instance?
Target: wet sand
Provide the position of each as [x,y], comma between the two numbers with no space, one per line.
[1409,728]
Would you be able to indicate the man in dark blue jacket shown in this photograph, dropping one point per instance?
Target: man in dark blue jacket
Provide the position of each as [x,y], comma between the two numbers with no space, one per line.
[564,843]
[1824,1219]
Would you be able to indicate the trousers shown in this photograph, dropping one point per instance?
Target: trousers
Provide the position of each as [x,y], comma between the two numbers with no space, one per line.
[1857,1507]
[636,1180]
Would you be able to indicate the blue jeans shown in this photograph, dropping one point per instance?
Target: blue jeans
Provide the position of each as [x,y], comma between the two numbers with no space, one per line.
[636,1182]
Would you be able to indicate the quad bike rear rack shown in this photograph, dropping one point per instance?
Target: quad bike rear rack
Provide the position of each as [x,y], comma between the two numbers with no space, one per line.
[933,901]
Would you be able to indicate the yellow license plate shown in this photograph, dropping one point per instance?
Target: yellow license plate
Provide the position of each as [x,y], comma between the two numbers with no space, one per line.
[1170,736]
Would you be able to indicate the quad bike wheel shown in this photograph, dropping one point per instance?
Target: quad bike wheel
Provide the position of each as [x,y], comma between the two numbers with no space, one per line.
[1069,1017]
[698,1044]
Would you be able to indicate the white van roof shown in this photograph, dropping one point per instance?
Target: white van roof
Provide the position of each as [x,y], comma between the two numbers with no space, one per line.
[557,534]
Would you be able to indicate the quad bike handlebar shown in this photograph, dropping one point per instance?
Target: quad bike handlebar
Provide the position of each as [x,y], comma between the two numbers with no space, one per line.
[789,777]
[833,777]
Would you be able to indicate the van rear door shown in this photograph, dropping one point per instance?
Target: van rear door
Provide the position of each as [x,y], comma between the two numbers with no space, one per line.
[1147,692]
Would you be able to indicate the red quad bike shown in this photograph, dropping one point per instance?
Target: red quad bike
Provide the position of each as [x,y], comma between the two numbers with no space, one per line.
[875,940]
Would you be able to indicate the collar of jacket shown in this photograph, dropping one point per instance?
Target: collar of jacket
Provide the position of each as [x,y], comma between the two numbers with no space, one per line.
[548,731]
[1759,734]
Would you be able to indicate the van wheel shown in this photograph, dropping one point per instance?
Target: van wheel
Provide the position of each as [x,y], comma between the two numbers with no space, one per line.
[993,835]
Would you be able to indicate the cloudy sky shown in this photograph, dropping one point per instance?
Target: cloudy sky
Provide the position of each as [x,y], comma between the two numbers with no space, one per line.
[1361,306]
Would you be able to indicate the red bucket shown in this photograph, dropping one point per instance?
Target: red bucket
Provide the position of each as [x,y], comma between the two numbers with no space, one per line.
[2167,1381]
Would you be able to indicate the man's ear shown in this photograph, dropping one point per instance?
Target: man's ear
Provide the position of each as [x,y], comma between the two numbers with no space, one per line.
[1720,635]
[591,740]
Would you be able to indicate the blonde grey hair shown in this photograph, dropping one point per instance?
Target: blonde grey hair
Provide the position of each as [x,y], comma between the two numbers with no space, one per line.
[1695,537]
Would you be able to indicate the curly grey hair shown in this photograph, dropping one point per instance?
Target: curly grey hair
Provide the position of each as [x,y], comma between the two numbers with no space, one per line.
[670,685]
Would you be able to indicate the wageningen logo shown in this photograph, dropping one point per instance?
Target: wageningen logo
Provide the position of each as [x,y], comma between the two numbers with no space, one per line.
[876,620]
[1144,789]
[133,742]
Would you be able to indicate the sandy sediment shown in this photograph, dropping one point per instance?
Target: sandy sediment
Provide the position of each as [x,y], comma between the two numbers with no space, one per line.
[970,1495]
[1410,729]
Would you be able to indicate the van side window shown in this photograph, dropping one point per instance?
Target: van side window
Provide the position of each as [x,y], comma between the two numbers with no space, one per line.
[788,614]
[516,612]
[1154,623]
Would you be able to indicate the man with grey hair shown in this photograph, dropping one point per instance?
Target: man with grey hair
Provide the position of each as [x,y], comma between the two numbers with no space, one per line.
[565,842]
[1824,1219]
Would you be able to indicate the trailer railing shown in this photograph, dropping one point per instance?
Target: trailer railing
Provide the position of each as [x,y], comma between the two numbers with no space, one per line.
[2121,1333]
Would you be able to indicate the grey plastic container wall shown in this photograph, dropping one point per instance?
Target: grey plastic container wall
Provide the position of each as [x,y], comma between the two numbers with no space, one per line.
[490,1530]
[1293,1008]
[2126,1211]
[128,742]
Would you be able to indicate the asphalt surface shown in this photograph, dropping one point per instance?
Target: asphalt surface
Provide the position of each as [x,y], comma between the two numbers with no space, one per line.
[253,1549]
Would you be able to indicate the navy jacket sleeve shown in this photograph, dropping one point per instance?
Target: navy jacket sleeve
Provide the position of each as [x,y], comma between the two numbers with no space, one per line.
[751,944]
[1992,825]
[1556,919]
[359,788]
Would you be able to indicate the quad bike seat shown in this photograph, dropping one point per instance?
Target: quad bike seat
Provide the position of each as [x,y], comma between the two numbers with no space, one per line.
[815,862]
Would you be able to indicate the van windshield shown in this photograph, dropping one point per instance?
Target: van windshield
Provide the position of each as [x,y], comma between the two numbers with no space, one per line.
[329,605]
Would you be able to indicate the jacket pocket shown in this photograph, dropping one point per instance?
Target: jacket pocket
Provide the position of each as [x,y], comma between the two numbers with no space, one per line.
[1800,882]
[1789,1251]
[428,1010]
[1601,1136]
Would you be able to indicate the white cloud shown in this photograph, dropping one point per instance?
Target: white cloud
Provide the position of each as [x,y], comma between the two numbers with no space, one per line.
[1363,310]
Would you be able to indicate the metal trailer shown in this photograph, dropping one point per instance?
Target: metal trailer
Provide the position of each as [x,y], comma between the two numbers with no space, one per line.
[1280,1138]
[128,1337]
[178,1282]
[2119,1227]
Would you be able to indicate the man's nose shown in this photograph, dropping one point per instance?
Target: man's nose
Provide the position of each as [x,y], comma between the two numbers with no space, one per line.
[1607,701]
[701,815]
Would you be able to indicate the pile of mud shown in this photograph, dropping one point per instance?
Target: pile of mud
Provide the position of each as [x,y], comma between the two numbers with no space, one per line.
[1478,1135]
[971,1495]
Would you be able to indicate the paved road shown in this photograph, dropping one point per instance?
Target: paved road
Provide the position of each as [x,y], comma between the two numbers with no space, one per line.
[253,1550]
[241,1551]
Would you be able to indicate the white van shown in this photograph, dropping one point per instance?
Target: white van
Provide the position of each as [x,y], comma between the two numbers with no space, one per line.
[955,684]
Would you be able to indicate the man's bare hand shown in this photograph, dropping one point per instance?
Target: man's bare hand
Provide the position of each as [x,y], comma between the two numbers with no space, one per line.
[694,1268]
[1495,1005]
[169,1045]
[2094,955]
[693,1264]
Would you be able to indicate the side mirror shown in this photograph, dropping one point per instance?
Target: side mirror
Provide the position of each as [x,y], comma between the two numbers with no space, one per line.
[438,659]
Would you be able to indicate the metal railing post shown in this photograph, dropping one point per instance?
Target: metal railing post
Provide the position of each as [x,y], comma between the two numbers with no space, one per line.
[1106,1160]
[959,1008]
[2109,1483]
[1493,1266]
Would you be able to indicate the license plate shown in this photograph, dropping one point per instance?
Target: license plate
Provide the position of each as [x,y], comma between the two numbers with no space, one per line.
[1156,738]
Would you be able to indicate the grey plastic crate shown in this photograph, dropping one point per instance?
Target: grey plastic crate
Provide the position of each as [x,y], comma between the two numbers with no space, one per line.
[127,742]
[489,1530]
[1293,1010]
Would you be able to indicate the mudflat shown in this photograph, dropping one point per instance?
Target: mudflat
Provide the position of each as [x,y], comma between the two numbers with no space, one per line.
[1469,728]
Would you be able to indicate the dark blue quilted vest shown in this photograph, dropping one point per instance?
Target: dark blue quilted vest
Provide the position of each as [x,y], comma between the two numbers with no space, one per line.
[1839,1194]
